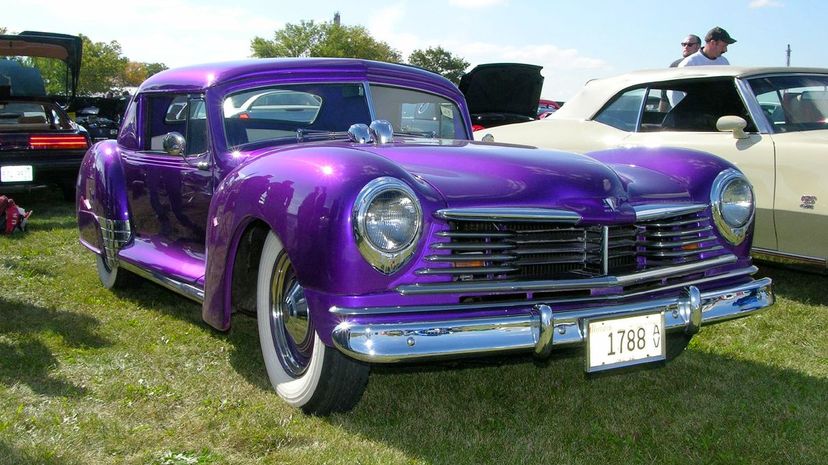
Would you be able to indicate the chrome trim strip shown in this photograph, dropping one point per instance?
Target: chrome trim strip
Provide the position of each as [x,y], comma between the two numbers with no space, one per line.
[187,290]
[540,329]
[784,258]
[563,284]
[509,215]
[658,211]
[353,311]
[749,99]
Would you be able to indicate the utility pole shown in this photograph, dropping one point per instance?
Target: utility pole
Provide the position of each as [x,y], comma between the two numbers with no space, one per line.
[788,53]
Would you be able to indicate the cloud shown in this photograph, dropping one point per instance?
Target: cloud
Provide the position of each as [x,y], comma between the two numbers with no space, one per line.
[476,4]
[765,4]
[166,31]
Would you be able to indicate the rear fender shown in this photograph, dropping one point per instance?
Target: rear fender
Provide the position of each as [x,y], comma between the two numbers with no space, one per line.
[101,203]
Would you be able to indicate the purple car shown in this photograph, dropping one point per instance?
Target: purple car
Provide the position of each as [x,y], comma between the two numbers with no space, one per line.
[362,225]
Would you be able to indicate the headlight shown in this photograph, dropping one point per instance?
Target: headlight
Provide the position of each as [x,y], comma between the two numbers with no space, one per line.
[733,205]
[387,223]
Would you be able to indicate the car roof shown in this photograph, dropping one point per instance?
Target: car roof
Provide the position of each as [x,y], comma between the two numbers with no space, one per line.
[597,92]
[203,76]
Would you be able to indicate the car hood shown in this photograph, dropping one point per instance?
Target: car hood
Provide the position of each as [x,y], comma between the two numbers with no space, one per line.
[64,47]
[503,88]
[471,174]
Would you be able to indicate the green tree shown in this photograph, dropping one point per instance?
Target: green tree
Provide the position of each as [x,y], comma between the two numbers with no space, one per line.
[440,61]
[3,30]
[326,39]
[102,68]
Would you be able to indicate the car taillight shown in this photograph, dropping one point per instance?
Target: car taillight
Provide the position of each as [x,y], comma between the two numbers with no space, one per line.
[68,141]
[477,127]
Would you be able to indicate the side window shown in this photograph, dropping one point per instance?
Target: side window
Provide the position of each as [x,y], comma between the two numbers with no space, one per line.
[179,113]
[622,113]
[793,103]
[696,106]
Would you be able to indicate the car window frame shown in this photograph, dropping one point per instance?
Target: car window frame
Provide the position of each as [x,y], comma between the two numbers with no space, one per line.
[146,114]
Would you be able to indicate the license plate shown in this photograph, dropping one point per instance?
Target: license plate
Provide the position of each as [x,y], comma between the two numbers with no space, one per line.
[16,173]
[113,132]
[619,342]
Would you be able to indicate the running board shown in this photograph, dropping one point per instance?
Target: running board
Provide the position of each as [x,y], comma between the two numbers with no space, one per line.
[179,287]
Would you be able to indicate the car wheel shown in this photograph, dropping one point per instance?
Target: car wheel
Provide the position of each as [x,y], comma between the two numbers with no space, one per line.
[305,373]
[112,276]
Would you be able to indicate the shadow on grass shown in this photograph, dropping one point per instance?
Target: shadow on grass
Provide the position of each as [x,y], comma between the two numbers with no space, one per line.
[701,408]
[799,286]
[25,357]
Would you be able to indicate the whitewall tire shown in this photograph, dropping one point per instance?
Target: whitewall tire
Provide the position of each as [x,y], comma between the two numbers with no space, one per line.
[303,371]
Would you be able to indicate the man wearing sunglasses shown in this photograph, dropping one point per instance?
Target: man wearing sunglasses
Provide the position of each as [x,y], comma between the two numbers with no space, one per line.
[689,46]
[715,45]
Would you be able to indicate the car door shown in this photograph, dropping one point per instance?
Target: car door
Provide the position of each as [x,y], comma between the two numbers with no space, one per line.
[169,194]
[796,107]
[685,115]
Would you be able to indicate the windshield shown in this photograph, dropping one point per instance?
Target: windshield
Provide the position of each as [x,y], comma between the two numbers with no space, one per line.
[292,112]
[793,103]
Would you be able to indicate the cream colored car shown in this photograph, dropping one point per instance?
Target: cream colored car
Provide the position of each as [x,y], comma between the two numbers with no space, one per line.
[770,122]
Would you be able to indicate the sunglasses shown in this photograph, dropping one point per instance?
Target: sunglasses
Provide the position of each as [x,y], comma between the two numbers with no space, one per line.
[687,44]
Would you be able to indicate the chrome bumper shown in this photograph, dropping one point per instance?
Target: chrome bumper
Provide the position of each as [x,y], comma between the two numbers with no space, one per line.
[540,329]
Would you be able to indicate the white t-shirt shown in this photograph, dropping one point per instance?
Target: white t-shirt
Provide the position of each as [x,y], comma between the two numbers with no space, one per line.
[698,59]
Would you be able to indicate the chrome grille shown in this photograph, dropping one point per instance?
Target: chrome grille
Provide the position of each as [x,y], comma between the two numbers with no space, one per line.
[477,250]
[678,240]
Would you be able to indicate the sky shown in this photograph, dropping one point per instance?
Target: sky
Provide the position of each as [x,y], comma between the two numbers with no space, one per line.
[574,41]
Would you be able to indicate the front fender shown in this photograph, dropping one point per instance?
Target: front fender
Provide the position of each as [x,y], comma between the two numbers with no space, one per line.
[693,170]
[305,195]
[101,193]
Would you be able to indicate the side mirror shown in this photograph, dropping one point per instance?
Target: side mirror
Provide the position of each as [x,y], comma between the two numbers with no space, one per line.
[735,124]
[174,143]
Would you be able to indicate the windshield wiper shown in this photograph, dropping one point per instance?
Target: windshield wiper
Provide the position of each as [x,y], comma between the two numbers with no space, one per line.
[319,134]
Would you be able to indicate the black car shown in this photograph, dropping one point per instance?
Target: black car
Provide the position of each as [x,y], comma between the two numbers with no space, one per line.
[502,93]
[39,144]
[97,125]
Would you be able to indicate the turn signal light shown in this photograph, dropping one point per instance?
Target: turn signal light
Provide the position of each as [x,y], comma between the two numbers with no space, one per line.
[66,142]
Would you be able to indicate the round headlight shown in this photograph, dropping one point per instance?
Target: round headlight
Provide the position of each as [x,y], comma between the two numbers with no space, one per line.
[733,205]
[388,219]
[737,202]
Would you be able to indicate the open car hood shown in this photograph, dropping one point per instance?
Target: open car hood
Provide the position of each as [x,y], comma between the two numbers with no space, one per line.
[64,47]
[503,88]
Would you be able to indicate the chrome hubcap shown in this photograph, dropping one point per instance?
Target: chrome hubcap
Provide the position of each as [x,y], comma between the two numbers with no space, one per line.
[289,319]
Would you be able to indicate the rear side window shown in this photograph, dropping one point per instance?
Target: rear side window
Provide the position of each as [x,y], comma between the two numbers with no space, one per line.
[181,113]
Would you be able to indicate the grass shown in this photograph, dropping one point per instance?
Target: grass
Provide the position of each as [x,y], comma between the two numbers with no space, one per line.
[88,376]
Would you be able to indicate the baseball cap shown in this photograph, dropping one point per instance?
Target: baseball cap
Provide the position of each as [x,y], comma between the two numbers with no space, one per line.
[718,33]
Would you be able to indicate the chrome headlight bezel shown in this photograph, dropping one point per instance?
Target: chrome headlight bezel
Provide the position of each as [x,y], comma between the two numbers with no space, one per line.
[732,229]
[383,260]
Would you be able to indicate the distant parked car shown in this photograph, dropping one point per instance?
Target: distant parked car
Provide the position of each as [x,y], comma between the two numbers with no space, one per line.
[547,107]
[502,93]
[355,244]
[772,123]
[99,127]
[39,144]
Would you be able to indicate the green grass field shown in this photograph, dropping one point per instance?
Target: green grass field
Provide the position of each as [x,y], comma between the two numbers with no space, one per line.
[88,376]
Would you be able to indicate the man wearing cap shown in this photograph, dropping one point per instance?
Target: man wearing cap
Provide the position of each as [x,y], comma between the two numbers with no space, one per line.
[715,45]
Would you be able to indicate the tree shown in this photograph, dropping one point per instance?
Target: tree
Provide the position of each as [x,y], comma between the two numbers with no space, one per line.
[3,30]
[310,39]
[440,61]
[136,72]
[102,67]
